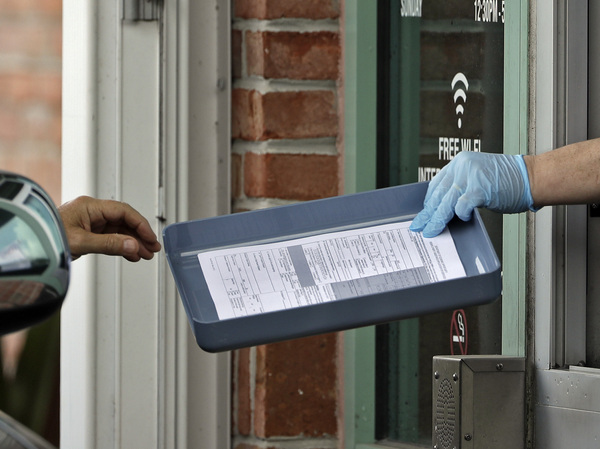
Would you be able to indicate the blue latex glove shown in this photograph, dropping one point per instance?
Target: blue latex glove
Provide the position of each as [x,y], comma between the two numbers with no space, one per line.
[498,182]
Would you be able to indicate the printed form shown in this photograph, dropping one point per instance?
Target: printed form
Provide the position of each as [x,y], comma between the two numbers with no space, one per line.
[327,267]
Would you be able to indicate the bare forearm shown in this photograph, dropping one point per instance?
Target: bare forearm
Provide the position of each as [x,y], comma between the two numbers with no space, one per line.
[567,175]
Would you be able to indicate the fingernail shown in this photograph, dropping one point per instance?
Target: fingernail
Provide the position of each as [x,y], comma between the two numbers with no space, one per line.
[129,246]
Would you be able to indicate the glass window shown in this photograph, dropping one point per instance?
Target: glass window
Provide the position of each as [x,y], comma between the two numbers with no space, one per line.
[35,202]
[20,247]
[440,91]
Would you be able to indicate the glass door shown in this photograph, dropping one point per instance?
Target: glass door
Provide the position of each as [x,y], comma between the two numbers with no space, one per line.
[440,91]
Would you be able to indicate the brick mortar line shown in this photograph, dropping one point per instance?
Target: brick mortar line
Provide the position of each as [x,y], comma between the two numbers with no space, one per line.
[264,86]
[287,25]
[326,146]
[31,65]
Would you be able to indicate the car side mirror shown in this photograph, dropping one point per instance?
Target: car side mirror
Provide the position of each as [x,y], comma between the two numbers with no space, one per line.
[34,254]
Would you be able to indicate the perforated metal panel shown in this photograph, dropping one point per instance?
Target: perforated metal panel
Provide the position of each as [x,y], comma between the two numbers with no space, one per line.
[445,414]
[478,402]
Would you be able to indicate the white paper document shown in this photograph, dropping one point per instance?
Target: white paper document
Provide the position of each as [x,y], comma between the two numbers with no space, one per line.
[327,267]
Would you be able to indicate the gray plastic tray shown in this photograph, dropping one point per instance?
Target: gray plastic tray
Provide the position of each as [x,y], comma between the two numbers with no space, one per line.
[182,242]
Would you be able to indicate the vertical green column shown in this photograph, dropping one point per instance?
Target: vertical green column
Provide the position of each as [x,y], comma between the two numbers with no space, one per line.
[515,142]
[403,388]
[404,145]
[359,387]
[360,95]
[360,122]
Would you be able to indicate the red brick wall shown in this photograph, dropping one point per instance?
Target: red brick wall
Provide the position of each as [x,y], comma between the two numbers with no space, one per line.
[30,90]
[286,59]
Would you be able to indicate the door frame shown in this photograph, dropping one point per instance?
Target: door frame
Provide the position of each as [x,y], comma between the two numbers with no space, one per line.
[128,360]
[359,151]
[566,411]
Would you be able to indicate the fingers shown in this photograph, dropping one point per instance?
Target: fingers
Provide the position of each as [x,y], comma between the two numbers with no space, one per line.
[439,203]
[123,220]
[420,221]
[433,221]
[108,244]
[436,214]
[434,195]
[423,217]
[466,203]
[108,227]
[443,213]
[108,214]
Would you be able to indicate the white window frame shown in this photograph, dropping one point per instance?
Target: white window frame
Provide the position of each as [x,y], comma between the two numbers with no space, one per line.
[145,120]
[560,98]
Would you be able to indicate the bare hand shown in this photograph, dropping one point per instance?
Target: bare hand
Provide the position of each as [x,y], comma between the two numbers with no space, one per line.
[108,227]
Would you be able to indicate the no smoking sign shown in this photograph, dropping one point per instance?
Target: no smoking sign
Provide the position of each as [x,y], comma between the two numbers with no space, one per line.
[459,336]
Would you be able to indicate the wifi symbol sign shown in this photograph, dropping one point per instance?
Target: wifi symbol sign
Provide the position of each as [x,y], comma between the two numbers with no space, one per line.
[459,86]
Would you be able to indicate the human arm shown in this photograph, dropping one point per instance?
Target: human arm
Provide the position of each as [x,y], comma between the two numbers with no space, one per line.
[567,175]
[107,227]
[510,184]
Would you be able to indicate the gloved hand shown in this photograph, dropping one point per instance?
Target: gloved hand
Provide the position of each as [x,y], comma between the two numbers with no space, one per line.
[498,182]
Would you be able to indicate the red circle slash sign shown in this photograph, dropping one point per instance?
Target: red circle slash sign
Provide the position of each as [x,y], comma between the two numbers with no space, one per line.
[458,332]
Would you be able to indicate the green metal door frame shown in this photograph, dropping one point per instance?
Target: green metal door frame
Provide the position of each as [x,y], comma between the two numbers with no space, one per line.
[516,105]
[360,143]
[360,97]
